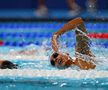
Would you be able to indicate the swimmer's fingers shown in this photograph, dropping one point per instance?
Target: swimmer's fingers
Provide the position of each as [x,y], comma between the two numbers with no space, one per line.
[85,65]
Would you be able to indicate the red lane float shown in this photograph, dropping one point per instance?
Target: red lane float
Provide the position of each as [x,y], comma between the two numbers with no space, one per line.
[98,35]
[1,42]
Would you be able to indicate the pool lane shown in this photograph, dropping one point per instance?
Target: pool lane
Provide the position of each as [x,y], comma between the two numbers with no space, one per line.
[22,34]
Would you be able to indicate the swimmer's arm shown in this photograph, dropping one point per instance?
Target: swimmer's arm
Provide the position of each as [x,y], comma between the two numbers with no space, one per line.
[67,27]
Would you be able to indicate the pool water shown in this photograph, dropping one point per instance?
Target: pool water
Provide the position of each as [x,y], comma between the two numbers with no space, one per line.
[35,72]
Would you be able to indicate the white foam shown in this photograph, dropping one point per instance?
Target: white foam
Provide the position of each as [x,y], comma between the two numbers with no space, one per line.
[73,74]
[67,73]
[30,52]
[22,57]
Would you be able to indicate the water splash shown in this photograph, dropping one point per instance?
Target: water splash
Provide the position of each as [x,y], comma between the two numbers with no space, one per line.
[37,64]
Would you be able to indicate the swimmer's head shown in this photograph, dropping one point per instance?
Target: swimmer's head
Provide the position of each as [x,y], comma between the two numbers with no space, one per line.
[8,65]
[60,60]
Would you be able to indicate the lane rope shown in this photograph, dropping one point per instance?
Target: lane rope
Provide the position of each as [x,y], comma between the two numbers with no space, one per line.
[98,35]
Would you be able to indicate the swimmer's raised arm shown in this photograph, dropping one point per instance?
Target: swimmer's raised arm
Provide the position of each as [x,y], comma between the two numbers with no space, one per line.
[82,40]
[82,48]
[67,27]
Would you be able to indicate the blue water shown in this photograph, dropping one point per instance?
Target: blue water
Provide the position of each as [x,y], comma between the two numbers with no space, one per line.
[36,73]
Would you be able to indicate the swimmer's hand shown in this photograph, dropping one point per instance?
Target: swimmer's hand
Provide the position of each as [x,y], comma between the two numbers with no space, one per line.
[84,64]
[54,43]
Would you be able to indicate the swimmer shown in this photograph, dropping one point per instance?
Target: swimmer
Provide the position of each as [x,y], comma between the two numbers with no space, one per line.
[31,50]
[4,64]
[24,52]
[84,58]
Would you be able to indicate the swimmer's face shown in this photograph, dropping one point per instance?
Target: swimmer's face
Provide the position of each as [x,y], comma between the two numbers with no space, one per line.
[60,60]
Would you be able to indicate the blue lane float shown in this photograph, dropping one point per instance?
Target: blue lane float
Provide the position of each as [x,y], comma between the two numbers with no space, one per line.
[68,44]
[38,35]
[48,25]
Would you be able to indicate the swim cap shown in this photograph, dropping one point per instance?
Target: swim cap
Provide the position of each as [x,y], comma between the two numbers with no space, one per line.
[8,65]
